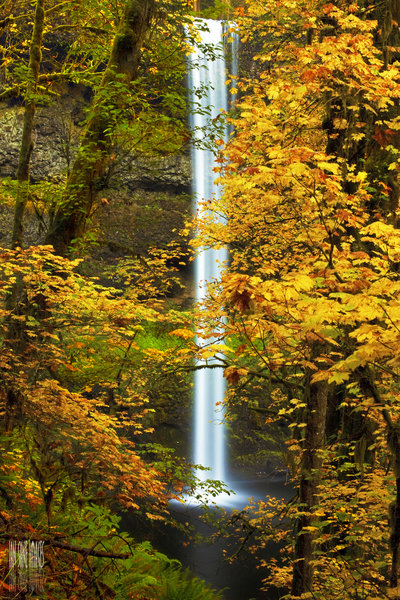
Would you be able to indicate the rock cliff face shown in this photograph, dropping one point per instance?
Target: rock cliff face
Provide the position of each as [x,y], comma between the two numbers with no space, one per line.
[142,201]
[145,200]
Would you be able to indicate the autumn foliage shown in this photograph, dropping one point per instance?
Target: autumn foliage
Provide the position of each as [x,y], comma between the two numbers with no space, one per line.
[69,435]
[308,311]
[75,374]
[312,289]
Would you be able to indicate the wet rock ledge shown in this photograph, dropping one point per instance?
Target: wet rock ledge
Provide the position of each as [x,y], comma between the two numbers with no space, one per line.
[142,200]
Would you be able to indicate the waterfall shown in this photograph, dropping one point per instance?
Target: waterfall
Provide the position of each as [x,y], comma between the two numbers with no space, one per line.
[209,94]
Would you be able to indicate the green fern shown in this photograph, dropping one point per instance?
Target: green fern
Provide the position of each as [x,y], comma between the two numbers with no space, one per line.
[150,575]
[183,585]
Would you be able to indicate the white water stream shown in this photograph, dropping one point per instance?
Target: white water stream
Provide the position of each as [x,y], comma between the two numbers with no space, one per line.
[207,88]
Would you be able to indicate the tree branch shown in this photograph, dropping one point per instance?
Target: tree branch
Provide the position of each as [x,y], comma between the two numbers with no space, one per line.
[69,547]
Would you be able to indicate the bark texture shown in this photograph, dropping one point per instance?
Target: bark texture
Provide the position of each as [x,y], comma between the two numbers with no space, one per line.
[35,56]
[95,150]
[316,396]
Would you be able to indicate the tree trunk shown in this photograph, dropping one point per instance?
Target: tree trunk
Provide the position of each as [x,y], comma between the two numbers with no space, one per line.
[16,334]
[317,400]
[35,56]
[394,516]
[395,537]
[94,153]
[393,442]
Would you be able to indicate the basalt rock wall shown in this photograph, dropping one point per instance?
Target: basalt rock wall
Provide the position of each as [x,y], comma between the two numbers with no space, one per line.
[142,199]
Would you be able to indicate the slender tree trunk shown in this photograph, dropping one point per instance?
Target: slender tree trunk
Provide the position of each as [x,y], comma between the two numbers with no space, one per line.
[16,332]
[94,153]
[394,516]
[35,56]
[394,509]
[317,400]
[393,442]
[395,537]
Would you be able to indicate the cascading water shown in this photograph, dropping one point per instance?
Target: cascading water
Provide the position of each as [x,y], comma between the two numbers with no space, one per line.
[209,95]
